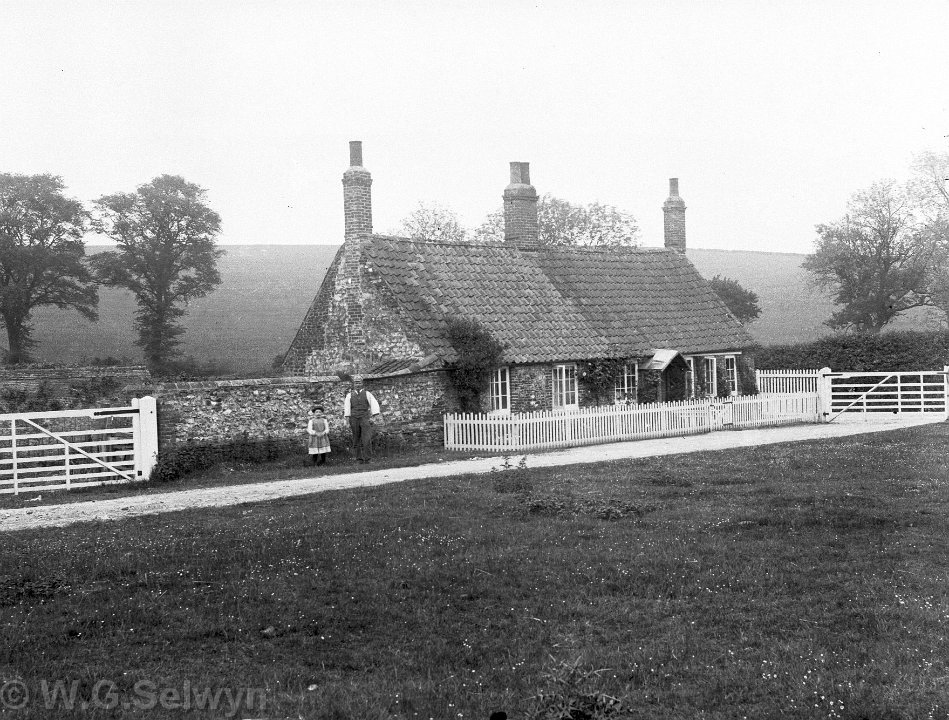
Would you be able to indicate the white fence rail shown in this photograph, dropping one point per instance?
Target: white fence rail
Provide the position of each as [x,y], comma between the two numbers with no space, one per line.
[786,381]
[77,448]
[588,426]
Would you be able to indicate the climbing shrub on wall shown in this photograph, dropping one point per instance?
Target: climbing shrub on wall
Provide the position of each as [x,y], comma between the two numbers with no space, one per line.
[747,383]
[479,354]
[598,378]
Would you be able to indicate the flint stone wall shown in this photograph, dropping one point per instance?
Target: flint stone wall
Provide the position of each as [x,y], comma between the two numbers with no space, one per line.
[222,411]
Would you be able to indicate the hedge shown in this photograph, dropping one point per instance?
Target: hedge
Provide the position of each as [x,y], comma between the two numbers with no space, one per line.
[182,459]
[904,350]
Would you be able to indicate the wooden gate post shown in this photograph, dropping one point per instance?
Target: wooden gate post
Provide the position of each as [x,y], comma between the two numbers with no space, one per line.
[945,390]
[823,394]
[145,426]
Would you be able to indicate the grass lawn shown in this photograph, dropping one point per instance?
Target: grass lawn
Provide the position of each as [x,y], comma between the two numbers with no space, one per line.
[788,581]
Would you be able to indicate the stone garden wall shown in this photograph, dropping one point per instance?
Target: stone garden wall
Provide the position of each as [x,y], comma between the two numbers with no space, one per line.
[222,411]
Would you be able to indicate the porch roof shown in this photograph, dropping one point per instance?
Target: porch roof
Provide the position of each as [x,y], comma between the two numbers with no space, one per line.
[661,359]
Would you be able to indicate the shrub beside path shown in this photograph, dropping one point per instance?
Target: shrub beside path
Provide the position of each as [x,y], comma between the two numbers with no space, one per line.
[124,507]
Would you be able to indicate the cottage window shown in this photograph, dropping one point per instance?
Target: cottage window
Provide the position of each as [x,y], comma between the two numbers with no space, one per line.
[731,374]
[710,373]
[565,386]
[626,389]
[500,391]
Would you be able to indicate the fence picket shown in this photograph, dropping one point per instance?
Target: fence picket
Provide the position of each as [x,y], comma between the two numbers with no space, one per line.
[549,429]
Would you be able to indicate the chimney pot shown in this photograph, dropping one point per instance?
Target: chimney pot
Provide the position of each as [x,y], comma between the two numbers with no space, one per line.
[520,173]
[355,153]
[674,187]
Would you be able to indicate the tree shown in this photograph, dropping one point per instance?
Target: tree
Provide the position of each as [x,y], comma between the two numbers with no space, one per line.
[877,259]
[433,223]
[930,189]
[742,303]
[166,256]
[930,182]
[563,223]
[41,256]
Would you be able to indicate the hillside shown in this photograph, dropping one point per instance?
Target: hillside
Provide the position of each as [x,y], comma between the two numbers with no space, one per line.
[266,290]
[241,326]
[791,309]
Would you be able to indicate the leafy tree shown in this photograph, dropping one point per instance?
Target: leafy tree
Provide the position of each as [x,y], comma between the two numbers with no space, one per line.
[563,223]
[742,303]
[434,223]
[166,256]
[876,259]
[930,189]
[930,182]
[41,256]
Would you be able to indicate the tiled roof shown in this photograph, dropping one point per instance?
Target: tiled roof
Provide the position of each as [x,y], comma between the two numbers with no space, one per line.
[556,304]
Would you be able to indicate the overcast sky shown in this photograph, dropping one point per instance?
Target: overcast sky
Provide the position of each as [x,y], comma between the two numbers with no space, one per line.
[771,113]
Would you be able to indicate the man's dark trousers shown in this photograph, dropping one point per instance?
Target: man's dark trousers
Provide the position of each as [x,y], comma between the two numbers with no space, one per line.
[361,428]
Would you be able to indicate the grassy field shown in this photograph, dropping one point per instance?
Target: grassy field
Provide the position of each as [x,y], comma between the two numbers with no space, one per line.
[266,290]
[253,315]
[787,581]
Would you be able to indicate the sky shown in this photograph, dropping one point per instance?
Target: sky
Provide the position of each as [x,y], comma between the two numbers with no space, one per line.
[771,113]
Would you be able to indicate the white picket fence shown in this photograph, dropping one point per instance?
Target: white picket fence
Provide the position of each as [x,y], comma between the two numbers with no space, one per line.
[786,381]
[588,426]
[77,448]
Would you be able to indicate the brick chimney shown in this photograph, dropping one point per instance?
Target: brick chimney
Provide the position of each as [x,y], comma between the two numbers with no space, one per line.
[520,208]
[357,209]
[357,196]
[674,210]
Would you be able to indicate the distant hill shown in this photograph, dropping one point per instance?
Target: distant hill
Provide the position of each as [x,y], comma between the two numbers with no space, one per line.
[266,290]
[250,318]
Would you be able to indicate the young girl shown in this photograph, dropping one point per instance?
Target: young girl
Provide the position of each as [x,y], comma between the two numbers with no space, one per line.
[319,431]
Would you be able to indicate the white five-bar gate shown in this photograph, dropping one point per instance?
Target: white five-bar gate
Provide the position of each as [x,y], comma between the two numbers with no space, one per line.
[77,448]
[883,392]
[918,391]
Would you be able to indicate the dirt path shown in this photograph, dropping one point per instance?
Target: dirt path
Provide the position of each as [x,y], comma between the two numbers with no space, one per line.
[118,508]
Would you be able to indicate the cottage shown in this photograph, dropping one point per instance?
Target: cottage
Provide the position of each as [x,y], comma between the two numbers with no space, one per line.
[564,315]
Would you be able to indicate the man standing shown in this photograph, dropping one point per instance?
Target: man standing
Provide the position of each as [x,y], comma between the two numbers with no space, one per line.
[359,407]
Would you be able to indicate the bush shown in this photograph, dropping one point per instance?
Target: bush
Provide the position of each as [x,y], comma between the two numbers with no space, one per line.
[747,382]
[598,378]
[183,459]
[479,354]
[51,397]
[43,399]
[895,351]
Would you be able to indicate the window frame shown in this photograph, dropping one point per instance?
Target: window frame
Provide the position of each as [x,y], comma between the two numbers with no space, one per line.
[711,379]
[568,377]
[624,392]
[500,389]
[732,374]
[690,377]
